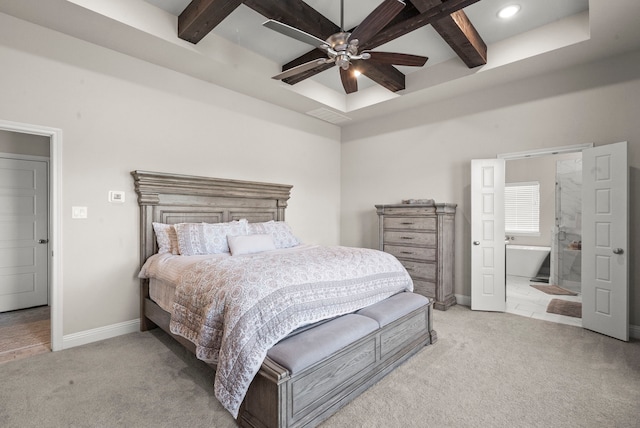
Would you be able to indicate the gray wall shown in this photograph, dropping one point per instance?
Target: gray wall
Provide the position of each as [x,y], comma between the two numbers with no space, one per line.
[118,114]
[427,152]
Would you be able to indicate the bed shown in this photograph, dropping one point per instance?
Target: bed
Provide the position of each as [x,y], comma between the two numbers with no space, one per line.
[324,357]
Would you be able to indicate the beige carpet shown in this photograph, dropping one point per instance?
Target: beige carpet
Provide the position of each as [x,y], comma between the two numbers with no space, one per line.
[486,370]
[565,307]
[553,289]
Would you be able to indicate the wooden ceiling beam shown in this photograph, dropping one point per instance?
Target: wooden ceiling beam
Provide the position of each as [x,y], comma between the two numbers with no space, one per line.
[459,33]
[201,16]
[393,31]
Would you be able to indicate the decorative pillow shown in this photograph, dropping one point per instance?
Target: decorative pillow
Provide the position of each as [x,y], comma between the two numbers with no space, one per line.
[279,231]
[166,238]
[249,244]
[207,238]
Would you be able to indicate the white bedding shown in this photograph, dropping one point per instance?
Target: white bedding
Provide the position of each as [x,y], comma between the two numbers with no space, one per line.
[164,271]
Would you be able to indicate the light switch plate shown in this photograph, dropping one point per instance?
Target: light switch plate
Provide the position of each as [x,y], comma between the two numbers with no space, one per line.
[116,196]
[79,212]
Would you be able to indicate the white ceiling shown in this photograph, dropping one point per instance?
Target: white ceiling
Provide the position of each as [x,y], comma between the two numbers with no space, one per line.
[242,55]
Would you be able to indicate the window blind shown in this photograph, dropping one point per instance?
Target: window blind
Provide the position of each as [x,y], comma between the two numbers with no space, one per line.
[522,208]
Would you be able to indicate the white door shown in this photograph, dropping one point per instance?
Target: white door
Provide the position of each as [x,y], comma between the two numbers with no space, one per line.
[23,234]
[488,288]
[605,242]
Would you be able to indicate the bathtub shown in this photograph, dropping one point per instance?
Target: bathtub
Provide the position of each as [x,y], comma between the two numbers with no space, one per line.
[525,260]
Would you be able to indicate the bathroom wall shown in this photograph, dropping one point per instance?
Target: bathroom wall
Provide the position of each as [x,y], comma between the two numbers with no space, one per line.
[543,170]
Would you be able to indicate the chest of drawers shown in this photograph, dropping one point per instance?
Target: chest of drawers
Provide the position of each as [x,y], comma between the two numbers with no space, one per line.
[421,236]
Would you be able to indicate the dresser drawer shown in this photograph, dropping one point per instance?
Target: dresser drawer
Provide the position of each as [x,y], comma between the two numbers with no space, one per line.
[424,288]
[413,238]
[420,270]
[420,253]
[420,223]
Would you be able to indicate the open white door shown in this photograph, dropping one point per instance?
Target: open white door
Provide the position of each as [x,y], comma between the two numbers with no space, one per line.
[605,249]
[488,292]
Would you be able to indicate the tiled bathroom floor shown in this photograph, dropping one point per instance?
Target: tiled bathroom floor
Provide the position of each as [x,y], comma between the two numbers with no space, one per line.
[522,299]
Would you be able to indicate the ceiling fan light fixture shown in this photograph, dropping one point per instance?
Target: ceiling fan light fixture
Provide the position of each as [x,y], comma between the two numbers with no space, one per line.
[342,61]
[508,11]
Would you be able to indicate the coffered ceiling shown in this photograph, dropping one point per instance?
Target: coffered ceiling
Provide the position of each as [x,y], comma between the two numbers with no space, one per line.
[241,54]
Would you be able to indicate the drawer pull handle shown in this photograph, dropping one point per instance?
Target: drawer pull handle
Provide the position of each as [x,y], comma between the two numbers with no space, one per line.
[406,237]
[406,252]
[408,223]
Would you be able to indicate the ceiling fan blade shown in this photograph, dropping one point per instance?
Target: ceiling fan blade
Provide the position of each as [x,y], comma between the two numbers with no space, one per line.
[377,20]
[294,33]
[302,68]
[349,81]
[397,58]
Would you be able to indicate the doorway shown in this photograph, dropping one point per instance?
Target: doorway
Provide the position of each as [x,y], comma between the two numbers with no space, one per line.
[24,254]
[54,138]
[605,224]
[543,267]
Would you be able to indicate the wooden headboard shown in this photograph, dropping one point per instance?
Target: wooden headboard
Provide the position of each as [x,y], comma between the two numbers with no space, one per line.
[174,198]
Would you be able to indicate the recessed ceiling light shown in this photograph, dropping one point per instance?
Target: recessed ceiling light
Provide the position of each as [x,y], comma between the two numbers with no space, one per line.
[508,11]
[356,73]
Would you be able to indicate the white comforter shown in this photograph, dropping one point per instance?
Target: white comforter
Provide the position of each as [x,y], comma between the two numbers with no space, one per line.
[235,308]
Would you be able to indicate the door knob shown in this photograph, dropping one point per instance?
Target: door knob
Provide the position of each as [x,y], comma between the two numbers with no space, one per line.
[618,251]
[476,242]
[43,241]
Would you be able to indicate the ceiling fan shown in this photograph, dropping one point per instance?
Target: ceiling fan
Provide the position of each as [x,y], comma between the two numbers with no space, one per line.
[342,48]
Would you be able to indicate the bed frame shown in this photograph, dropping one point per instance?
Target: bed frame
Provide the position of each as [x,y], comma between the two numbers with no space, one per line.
[275,399]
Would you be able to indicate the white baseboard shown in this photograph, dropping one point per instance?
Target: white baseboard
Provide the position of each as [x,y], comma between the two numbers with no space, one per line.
[634,330]
[463,300]
[100,333]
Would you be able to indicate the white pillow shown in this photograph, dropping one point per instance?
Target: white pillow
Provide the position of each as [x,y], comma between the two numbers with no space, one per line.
[166,238]
[279,230]
[249,244]
[207,238]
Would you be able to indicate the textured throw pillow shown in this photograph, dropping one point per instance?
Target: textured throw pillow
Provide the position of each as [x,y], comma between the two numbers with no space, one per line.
[207,238]
[279,231]
[166,238]
[249,244]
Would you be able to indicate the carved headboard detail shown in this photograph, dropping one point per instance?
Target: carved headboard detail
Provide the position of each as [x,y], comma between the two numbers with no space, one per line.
[174,198]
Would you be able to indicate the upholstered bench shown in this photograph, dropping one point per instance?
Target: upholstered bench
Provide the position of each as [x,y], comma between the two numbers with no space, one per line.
[306,348]
[394,307]
[315,371]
